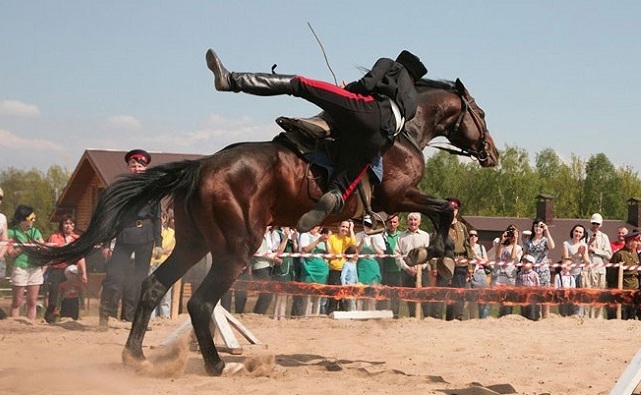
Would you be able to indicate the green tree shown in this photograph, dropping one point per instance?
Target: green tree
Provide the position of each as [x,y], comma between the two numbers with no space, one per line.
[563,181]
[601,192]
[36,189]
[516,184]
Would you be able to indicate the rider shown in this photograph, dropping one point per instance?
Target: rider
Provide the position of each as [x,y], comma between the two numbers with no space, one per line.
[368,113]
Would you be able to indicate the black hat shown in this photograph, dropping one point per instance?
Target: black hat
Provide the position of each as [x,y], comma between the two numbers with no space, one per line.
[139,155]
[412,64]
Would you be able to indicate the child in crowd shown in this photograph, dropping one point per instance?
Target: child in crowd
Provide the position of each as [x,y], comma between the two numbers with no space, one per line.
[527,277]
[69,293]
[565,279]
[478,280]
[349,274]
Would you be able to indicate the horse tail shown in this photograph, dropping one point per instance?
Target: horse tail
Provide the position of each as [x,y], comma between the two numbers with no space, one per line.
[119,203]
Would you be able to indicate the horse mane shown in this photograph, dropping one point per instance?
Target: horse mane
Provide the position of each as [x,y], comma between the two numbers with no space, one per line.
[425,83]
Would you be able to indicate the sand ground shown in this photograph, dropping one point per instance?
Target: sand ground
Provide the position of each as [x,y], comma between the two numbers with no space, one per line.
[324,356]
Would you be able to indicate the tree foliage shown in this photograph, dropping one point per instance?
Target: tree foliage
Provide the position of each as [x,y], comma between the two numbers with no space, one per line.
[34,188]
[579,188]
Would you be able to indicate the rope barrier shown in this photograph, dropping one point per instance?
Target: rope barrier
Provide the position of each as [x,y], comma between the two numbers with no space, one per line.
[505,295]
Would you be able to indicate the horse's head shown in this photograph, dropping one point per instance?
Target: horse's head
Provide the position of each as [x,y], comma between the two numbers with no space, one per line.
[454,114]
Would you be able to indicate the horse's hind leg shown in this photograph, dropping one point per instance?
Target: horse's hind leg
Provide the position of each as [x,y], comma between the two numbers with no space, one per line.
[220,278]
[153,289]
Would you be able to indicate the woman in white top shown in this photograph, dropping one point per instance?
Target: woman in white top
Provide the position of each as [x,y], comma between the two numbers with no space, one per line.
[509,253]
[576,250]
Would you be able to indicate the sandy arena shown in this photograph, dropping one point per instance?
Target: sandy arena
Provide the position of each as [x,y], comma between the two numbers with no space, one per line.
[324,356]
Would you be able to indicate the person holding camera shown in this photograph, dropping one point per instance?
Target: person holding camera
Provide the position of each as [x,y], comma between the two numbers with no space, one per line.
[538,246]
[509,253]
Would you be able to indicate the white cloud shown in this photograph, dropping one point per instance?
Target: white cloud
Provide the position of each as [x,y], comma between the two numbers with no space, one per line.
[124,121]
[12,141]
[217,133]
[17,108]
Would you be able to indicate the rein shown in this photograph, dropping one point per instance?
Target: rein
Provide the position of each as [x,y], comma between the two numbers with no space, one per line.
[481,155]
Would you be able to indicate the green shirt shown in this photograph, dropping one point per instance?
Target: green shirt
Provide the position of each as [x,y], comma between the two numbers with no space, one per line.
[389,263]
[630,279]
[23,260]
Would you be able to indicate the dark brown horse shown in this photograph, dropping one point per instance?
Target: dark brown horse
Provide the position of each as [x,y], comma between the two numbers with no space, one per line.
[222,204]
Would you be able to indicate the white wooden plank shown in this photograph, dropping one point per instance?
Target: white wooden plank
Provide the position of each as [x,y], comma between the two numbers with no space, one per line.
[222,325]
[242,329]
[630,378]
[361,314]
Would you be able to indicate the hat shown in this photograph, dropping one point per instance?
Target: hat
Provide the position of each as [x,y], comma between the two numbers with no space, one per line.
[529,258]
[139,155]
[454,202]
[367,221]
[596,219]
[526,233]
[412,64]
[71,271]
[633,233]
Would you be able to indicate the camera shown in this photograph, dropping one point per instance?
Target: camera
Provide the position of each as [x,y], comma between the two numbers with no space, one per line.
[510,233]
[324,231]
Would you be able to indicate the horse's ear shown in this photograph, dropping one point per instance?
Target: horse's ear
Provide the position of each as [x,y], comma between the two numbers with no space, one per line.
[460,88]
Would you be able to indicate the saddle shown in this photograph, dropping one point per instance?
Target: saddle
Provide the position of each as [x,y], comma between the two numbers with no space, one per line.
[312,140]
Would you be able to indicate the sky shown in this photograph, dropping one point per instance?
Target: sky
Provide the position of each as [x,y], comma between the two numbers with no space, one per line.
[77,75]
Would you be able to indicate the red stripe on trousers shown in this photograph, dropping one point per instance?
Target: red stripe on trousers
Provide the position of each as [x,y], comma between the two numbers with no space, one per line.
[354,183]
[334,89]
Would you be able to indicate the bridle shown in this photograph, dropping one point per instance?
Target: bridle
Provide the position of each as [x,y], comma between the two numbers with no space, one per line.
[466,107]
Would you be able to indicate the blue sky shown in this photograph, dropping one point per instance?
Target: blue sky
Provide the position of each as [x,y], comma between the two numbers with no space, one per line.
[119,75]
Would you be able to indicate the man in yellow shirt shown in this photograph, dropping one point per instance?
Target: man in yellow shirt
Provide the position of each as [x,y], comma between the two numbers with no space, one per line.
[336,244]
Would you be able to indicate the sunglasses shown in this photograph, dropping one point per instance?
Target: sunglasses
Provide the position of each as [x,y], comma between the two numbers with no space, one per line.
[473,235]
[595,223]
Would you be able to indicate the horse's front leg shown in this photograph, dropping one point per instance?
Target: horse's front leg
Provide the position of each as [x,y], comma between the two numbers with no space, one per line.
[440,214]
[220,278]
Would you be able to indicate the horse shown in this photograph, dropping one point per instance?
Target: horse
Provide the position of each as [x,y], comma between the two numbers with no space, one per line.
[223,203]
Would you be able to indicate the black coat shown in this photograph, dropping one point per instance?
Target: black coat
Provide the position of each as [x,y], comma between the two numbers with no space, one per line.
[390,79]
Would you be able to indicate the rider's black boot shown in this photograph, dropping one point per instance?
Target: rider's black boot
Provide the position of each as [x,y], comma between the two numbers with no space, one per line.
[260,84]
[330,202]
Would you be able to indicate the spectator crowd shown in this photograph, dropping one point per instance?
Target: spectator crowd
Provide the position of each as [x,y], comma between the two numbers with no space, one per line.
[360,255]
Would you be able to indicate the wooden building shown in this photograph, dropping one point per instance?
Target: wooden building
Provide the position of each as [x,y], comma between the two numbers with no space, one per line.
[95,170]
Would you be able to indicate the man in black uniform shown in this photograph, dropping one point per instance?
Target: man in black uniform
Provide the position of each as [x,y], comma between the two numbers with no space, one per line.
[368,114]
[138,237]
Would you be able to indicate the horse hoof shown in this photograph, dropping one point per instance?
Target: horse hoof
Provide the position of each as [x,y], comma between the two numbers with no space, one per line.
[215,370]
[132,360]
[417,256]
